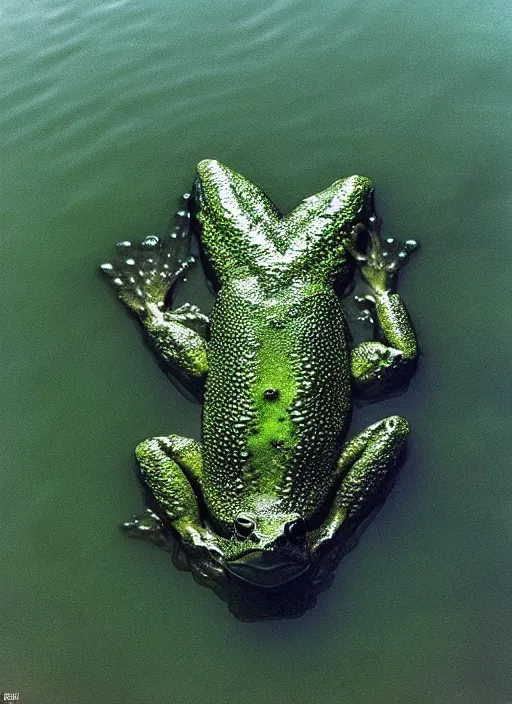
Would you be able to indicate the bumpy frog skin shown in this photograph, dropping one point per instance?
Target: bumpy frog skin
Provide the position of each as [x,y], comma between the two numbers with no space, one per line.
[264,507]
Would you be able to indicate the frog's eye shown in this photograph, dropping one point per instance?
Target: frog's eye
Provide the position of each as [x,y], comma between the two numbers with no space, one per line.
[244,525]
[295,530]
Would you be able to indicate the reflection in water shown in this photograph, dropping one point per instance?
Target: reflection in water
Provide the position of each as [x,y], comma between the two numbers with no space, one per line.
[246,600]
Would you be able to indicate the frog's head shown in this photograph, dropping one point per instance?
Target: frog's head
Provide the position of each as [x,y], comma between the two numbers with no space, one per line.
[269,547]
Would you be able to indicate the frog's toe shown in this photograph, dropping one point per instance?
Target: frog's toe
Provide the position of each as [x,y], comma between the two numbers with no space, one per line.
[393,252]
[366,306]
[206,572]
[385,261]
[365,245]
[143,274]
[383,258]
[146,526]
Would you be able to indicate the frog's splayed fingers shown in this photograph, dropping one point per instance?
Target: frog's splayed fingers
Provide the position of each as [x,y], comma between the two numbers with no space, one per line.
[143,274]
[262,509]
[244,234]
[144,277]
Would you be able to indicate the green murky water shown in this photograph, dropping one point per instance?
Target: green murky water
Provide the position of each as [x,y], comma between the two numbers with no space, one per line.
[106,108]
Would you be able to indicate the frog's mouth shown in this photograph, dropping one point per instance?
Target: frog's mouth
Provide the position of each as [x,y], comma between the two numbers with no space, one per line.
[266,571]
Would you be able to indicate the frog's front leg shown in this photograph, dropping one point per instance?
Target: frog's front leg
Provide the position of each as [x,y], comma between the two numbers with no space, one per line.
[144,278]
[171,469]
[381,367]
[363,468]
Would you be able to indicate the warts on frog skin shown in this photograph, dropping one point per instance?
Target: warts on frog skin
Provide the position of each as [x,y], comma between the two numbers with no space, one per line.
[263,508]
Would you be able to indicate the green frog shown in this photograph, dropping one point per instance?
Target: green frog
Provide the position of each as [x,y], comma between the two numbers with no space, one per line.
[264,506]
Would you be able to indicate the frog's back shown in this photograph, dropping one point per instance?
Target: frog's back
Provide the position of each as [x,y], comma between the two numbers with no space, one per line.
[277,395]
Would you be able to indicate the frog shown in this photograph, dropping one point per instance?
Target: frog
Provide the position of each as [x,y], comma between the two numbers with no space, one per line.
[264,506]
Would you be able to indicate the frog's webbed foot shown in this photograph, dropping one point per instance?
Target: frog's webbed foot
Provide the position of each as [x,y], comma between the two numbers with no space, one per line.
[144,278]
[191,316]
[379,261]
[147,526]
[384,365]
[144,273]
[195,550]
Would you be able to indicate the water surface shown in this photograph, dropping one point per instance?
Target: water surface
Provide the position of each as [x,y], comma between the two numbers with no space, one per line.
[106,109]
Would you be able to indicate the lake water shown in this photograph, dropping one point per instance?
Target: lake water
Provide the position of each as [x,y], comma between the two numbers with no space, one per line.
[106,109]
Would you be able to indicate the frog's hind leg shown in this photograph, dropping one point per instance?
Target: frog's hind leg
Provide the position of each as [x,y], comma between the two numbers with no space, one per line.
[364,469]
[144,277]
[171,469]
